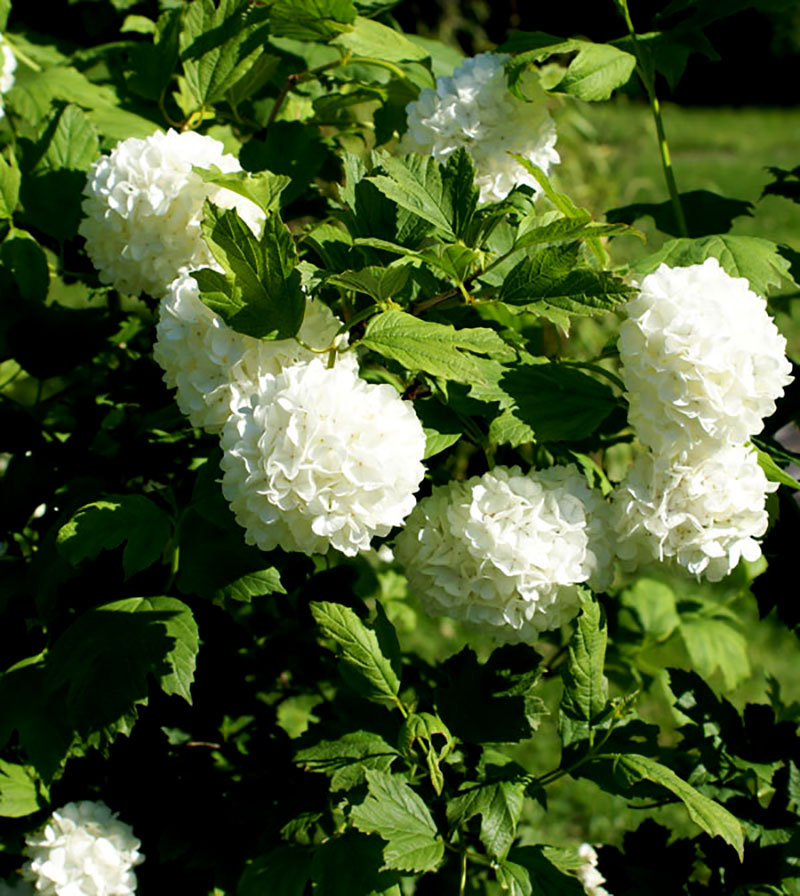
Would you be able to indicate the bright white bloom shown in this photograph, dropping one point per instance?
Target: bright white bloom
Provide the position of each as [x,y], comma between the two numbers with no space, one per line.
[319,458]
[588,874]
[211,365]
[703,516]
[8,65]
[475,109]
[144,209]
[83,850]
[703,362]
[508,552]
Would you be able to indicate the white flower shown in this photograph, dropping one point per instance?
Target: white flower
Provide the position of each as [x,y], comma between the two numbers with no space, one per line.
[211,365]
[507,552]
[475,109]
[703,362]
[319,458]
[588,874]
[703,516]
[83,850]
[144,209]
[8,65]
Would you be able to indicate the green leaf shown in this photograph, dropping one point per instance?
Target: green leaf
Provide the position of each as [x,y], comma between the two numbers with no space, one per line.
[444,195]
[710,816]
[105,525]
[64,153]
[34,93]
[347,759]
[317,20]
[122,644]
[398,815]
[596,72]
[714,645]
[263,188]
[19,793]
[654,605]
[585,686]
[25,259]
[544,878]
[151,65]
[565,229]
[351,864]
[379,283]
[259,294]
[437,349]
[504,688]
[214,48]
[550,277]
[366,668]
[499,804]
[706,213]
[441,426]
[757,260]
[370,38]
[555,402]
[9,187]
[253,584]
[775,473]
[280,872]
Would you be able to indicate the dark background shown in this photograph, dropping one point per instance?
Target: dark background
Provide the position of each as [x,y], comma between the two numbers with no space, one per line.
[759,47]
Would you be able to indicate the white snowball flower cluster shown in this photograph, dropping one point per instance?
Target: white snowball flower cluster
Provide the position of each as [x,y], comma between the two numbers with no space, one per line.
[705,516]
[8,65]
[83,850]
[475,109]
[320,458]
[588,874]
[144,209]
[211,365]
[508,552]
[703,362]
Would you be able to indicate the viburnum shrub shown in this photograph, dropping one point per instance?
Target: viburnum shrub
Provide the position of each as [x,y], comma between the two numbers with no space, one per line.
[336,557]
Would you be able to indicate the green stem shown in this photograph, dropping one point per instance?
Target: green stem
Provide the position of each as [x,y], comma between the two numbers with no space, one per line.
[298,78]
[462,884]
[655,108]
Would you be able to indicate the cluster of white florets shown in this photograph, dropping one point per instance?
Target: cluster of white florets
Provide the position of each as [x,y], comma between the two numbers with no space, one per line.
[8,65]
[588,873]
[318,457]
[314,457]
[703,362]
[705,516]
[144,209]
[508,552]
[475,109]
[83,849]
[211,366]
[703,365]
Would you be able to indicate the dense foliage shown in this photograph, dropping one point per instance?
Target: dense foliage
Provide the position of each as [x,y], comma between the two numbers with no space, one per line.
[287,363]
